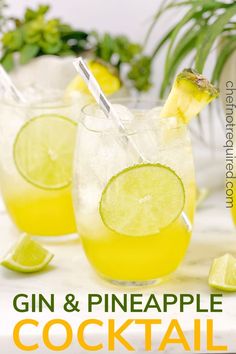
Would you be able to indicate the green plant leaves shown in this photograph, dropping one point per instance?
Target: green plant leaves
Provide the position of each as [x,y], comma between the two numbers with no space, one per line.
[8,61]
[126,50]
[118,50]
[105,47]
[78,35]
[74,41]
[33,14]
[162,10]
[28,52]
[162,42]
[51,48]
[32,31]
[140,73]
[120,46]
[189,15]
[183,48]
[203,5]
[203,22]
[210,36]
[36,35]
[227,49]
[13,40]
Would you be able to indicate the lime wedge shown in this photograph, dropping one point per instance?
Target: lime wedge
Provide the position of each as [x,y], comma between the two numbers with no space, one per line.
[141,200]
[222,274]
[43,151]
[27,256]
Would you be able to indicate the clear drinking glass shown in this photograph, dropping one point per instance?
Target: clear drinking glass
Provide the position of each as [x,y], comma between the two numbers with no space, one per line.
[101,154]
[37,142]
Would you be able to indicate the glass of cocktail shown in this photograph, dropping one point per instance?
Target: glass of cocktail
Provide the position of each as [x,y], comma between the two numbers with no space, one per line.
[134,216]
[36,157]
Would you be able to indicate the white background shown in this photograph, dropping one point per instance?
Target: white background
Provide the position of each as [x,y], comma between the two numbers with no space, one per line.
[126,16]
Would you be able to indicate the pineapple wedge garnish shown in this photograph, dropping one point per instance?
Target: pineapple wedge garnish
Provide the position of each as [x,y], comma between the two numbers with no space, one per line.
[190,93]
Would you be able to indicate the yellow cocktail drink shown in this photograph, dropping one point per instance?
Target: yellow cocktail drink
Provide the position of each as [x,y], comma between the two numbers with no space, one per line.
[37,148]
[127,258]
[40,212]
[134,187]
[134,217]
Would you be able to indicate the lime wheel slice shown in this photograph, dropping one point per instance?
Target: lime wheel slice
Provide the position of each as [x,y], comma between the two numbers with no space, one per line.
[44,149]
[142,199]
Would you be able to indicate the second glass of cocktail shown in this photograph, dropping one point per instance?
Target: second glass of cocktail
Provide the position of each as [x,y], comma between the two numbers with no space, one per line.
[36,157]
[134,211]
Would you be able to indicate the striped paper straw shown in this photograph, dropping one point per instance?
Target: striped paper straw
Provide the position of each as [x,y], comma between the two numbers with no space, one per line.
[105,105]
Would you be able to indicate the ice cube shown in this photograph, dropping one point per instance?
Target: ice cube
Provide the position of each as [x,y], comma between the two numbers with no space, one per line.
[167,130]
[124,113]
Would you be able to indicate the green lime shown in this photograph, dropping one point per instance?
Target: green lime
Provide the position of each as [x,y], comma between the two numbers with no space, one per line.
[43,151]
[222,274]
[142,199]
[27,256]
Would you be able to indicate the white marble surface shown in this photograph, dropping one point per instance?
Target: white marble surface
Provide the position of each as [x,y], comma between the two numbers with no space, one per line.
[70,272]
